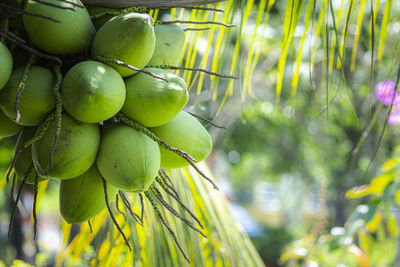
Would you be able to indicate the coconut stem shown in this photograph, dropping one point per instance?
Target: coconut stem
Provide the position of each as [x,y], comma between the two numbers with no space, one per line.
[156,139]
[205,120]
[167,181]
[193,22]
[58,118]
[159,196]
[188,7]
[169,67]
[142,207]
[17,41]
[196,29]
[205,8]
[165,188]
[119,12]
[30,170]
[21,86]
[159,141]
[13,185]
[90,227]
[123,64]
[22,11]
[33,140]
[14,36]
[35,194]
[143,10]
[117,206]
[157,211]
[202,174]
[112,216]
[129,207]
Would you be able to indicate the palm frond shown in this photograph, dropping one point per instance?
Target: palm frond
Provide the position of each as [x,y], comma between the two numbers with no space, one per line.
[227,244]
[382,37]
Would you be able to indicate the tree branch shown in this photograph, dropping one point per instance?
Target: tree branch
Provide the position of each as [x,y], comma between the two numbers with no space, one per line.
[149,3]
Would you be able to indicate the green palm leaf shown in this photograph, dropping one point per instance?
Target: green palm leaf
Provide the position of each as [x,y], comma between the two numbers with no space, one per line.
[226,245]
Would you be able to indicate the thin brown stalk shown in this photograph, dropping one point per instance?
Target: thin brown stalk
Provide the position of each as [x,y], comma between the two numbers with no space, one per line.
[21,11]
[195,69]
[112,216]
[194,22]
[29,49]
[168,183]
[117,206]
[21,86]
[159,196]
[196,29]
[126,65]
[35,194]
[13,185]
[157,211]
[155,138]
[16,202]
[163,186]
[90,227]
[205,120]
[129,208]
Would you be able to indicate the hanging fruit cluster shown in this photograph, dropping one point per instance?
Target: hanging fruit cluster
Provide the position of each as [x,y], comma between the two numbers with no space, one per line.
[96,106]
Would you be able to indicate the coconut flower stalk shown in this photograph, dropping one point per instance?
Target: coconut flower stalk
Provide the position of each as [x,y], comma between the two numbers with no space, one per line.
[149,3]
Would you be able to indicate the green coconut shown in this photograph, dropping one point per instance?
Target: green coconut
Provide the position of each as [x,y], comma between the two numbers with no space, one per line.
[169,44]
[6,64]
[73,34]
[76,150]
[7,126]
[153,102]
[93,92]
[186,133]
[129,38]
[24,160]
[128,159]
[82,198]
[37,99]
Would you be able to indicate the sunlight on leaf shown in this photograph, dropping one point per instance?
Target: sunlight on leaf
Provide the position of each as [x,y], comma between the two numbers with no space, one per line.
[374,223]
[292,15]
[295,79]
[376,187]
[397,197]
[392,224]
[390,164]
[357,34]
[366,241]
[385,21]
[246,78]
[340,15]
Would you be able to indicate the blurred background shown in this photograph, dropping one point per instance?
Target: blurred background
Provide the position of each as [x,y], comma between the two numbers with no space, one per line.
[305,133]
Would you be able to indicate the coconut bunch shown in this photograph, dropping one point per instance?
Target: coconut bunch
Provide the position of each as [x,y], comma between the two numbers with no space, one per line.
[91,94]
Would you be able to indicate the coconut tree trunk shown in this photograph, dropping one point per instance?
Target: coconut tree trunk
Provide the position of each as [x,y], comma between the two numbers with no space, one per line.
[149,3]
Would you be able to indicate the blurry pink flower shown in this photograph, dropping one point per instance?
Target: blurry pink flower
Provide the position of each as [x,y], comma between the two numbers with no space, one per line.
[394,118]
[385,91]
